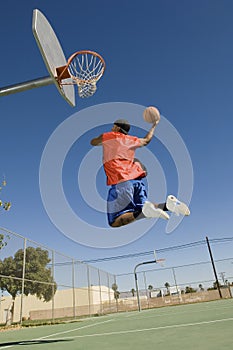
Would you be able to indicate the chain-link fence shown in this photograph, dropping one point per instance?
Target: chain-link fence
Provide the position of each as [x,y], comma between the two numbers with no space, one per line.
[39,283]
[155,285]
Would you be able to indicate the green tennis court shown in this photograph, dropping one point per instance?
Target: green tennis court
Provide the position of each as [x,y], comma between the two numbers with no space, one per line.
[196,326]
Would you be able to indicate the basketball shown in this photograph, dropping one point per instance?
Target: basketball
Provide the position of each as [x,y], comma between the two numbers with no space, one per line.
[151,115]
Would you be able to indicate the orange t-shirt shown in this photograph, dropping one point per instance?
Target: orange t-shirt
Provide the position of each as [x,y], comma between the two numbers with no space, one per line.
[118,157]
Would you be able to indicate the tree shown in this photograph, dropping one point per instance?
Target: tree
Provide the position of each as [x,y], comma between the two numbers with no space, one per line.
[38,277]
[116,291]
[215,285]
[133,292]
[167,286]
[4,205]
[150,288]
[3,242]
[189,289]
[201,287]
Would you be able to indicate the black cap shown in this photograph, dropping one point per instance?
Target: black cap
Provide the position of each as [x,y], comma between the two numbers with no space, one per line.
[123,124]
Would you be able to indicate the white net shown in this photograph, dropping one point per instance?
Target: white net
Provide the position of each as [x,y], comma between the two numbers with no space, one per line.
[86,68]
[86,89]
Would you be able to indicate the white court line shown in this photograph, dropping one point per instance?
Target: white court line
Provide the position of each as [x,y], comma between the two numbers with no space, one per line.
[73,330]
[150,329]
[59,333]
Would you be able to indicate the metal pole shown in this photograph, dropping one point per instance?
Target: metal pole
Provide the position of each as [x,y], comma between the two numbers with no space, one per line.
[53,285]
[174,276]
[89,290]
[23,280]
[109,294]
[136,284]
[213,265]
[116,296]
[73,287]
[145,286]
[136,278]
[27,85]
[101,303]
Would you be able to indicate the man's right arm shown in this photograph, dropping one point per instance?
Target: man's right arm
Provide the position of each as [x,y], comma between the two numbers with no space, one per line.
[97,141]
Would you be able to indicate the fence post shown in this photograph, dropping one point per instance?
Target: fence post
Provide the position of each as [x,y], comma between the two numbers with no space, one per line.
[53,275]
[23,279]
[148,295]
[115,294]
[73,287]
[137,289]
[89,290]
[101,303]
[213,265]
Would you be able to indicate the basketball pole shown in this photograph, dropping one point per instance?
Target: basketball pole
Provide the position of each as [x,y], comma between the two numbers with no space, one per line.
[136,279]
[27,85]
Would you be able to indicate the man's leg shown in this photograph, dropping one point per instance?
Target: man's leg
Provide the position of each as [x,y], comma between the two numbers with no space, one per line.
[138,206]
[161,206]
[126,218]
[120,204]
[148,211]
[151,210]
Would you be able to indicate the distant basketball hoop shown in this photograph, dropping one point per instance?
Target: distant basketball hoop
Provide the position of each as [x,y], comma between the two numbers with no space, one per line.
[155,261]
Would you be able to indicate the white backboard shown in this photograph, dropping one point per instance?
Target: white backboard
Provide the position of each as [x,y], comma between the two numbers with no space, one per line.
[51,52]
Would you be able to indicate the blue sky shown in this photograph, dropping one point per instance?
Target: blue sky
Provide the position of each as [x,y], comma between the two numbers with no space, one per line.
[176,55]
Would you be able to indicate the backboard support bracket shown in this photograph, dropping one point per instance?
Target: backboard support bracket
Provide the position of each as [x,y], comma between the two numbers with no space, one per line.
[27,85]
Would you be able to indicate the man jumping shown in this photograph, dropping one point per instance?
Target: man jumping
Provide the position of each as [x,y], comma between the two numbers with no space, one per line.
[127,196]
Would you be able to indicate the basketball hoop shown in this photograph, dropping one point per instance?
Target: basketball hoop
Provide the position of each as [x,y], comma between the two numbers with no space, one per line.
[161,262]
[85,68]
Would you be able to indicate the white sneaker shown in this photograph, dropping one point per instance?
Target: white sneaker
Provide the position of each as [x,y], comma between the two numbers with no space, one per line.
[150,211]
[177,207]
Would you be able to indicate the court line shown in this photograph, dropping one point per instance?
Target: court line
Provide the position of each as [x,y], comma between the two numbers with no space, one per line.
[182,325]
[75,329]
[59,333]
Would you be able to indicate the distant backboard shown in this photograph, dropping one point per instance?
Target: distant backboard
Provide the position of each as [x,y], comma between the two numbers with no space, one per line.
[52,53]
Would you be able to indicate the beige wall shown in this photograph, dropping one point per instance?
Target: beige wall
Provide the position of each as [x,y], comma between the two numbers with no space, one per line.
[63,299]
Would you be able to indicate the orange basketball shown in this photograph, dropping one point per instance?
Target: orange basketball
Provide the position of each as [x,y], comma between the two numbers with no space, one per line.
[151,115]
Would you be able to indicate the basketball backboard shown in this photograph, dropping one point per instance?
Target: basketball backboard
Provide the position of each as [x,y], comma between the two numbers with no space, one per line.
[52,53]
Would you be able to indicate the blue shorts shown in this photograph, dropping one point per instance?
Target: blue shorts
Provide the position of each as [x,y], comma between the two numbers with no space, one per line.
[128,196]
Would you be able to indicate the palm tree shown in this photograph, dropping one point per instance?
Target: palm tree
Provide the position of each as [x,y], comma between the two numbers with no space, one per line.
[201,287]
[116,291]
[150,288]
[167,286]
[133,292]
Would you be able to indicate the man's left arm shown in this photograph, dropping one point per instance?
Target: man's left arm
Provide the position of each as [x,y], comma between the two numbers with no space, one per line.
[144,141]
